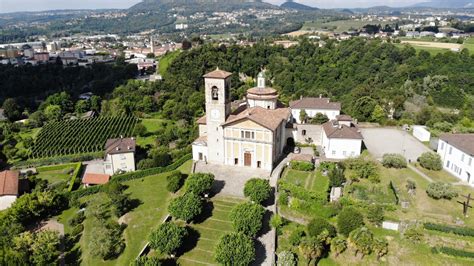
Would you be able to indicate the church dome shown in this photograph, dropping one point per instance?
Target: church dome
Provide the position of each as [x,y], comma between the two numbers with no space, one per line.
[258,92]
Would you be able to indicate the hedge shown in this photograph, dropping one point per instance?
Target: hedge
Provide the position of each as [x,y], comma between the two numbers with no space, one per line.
[457,230]
[454,252]
[395,192]
[75,174]
[58,160]
[133,175]
[302,166]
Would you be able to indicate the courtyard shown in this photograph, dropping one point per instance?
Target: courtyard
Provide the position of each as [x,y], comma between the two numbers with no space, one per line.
[390,140]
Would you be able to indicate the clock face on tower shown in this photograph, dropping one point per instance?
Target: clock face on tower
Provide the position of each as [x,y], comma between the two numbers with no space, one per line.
[215,114]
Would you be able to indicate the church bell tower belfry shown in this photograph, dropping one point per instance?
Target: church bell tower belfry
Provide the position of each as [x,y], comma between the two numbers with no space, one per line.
[217,91]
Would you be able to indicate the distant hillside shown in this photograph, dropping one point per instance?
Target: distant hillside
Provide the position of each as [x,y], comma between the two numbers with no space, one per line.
[447,4]
[197,5]
[292,5]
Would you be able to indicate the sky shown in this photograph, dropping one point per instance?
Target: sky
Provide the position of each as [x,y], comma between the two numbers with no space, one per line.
[38,5]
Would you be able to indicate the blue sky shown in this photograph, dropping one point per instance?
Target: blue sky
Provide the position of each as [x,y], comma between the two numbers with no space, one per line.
[36,5]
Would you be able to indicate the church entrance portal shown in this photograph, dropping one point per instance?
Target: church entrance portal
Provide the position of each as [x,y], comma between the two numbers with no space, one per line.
[247,159]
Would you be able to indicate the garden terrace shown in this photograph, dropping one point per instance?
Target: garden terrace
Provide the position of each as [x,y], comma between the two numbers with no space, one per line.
[80,136]
[215,223]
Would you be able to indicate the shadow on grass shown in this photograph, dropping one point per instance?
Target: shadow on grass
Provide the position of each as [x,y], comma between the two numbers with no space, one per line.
[190,242]
[207,209]
[266,223]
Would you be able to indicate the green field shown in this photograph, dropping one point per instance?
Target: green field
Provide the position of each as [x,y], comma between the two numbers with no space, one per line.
[80,135]
[56,173]
[209,231]
[338,25]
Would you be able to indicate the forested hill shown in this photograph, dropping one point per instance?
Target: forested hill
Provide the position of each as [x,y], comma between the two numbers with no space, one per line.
[361,74]
[198,5]
[297,6]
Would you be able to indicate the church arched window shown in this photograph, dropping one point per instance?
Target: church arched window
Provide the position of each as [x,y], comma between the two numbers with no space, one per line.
[215,93]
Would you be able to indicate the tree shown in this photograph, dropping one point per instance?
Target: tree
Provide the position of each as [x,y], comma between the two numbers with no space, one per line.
[175,181]
[303,116]
[11,109]
[107,242]
[247,218]
[375,214]
[139,130]
[336,177]
[393,160]
[146,261]
[286,258]
[235,249]
[338,245]
[186,45]
[311,248]
[380,247]
[41,248]
[82,106]
[348,220]
[168,237]
[257,189]
[319,119]
[440,190]
[199,183]
[317,225]
[431,161]
[378,114]
[53,112]
[363,108]
[361,240]
[186,207]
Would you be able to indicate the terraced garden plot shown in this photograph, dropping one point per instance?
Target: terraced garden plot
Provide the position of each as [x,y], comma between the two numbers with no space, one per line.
[215,224]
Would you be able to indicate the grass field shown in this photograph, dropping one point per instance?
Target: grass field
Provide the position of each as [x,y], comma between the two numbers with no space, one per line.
[338,25]
[166,60]
[151,194]
[216,223]
[56,173]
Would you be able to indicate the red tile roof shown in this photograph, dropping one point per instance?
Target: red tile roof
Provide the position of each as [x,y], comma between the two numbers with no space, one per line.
[334,130]
[9,183]
[315,103]
[95,179]
[269,118]
[217,74]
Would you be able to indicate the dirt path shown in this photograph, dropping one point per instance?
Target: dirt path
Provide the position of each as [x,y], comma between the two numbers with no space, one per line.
[441,45]
[420,173]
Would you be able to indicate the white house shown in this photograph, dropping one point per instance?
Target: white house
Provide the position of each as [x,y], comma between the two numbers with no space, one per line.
[119,155]
[457,152]
[312,106]
[341,139]
[9,185]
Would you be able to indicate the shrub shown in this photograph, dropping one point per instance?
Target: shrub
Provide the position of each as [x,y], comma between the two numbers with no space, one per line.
[247,218]
[258,190]
[414,234]
[463,231]
[375,214]
[296,236]
[286,258]
[393,160]
[380,247]
[168,237]
[348,220]
[430,161]
[441,190]
[199,183]
[235,249]
[146,261]
[336,177]
[185,207]
[302,166]
[78,218]
[411,185]
[362,168]
[276,221]
[338,245]
[361,240]
[318,225]
[456,252]
[77,230]
[283,198]
[175,181]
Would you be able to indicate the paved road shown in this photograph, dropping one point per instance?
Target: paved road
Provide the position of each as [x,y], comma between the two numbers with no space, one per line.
[389,140]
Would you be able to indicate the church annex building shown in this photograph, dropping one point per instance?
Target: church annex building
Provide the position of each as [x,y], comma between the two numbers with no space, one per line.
[256,132]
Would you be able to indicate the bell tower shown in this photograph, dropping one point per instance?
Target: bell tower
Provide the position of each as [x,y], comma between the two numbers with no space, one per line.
[217,89]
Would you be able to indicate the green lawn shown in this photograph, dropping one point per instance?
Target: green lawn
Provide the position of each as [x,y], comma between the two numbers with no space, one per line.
[469,44]
[439,176]
[319,182]
[152,125]
[431,50]
[299,178]
[153,197]
[209,231]
[56,173]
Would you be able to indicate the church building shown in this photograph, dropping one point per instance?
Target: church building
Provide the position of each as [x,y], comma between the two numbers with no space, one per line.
[252,134]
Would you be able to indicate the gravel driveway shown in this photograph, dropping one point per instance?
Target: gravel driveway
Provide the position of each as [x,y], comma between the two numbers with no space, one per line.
[389,140]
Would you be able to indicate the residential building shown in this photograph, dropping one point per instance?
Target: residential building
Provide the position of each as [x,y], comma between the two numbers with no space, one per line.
[313,106]
[119,155]
[341,139]
[9,188]
[457,154]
